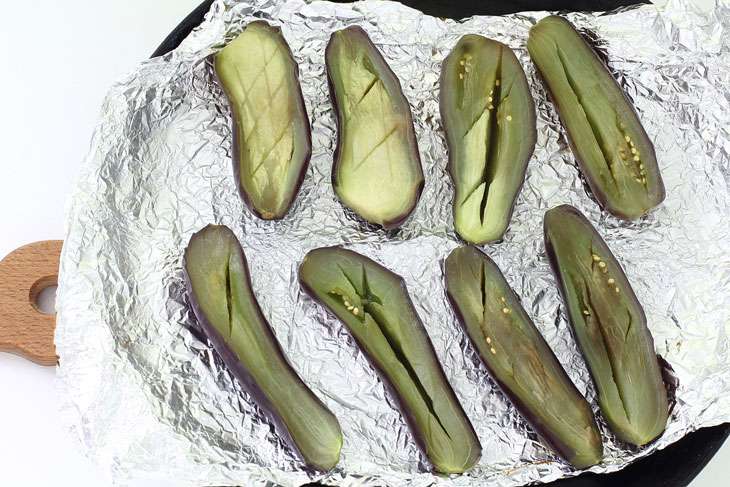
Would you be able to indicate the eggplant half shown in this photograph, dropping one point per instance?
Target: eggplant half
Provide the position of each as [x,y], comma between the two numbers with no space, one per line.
[519,359]
[271,135]
[219,288]
[489,120]
[610,145]
[609,326]
[374,305]
[377,168]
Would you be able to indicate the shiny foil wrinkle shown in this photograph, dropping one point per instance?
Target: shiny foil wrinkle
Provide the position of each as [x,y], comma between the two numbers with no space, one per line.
[143,393]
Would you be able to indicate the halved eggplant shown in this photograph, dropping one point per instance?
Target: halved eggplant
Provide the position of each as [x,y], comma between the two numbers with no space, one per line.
[611,147]
[219,289]
[609,326]
[489,120]
[518,358]
[377,168]
[374,305]
[271,135]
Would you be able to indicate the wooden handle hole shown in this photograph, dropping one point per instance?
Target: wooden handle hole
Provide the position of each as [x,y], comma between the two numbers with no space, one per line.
[43,295]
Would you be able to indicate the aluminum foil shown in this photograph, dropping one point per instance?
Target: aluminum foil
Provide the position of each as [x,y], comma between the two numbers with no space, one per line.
[143,394]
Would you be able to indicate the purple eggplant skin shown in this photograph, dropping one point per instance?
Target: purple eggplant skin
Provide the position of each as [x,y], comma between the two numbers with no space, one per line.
[610,145]
[269,186]
[488,116]
[609,326]
[221,296]
[374,128]
[374,305]
[519,359]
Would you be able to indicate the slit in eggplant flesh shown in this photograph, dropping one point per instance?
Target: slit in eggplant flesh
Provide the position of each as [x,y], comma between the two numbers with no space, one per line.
[271,134]
[489,119]
[219,288]
[519,359]
[374,305]
[609,325]
[377,168]
[610,145]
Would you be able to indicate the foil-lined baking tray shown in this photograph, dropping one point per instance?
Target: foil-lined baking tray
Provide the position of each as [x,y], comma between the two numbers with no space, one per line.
[142,392]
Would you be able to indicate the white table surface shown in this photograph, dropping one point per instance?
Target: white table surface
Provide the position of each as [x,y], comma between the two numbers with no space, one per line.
[59,58]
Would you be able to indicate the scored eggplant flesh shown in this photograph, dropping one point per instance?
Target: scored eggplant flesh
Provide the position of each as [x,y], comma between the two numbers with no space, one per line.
[271,134]
[609,325]
[377,168]
[374,305]
[489,119]
[610,145]
[519,359]
[219,288]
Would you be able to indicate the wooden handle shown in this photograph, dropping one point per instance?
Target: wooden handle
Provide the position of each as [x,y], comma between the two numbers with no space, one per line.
[24,329]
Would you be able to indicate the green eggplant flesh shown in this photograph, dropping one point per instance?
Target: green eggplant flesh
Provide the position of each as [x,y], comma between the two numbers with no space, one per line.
[519,359]
[271,134]
[374,305]
[609,325]
[489,119]
[219,289]
[377,168]
[610,145]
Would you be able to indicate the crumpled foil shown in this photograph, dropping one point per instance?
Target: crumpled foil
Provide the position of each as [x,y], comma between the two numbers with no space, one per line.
[144,395]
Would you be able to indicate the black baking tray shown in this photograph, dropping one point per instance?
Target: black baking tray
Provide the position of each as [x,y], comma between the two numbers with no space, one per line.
[679,463]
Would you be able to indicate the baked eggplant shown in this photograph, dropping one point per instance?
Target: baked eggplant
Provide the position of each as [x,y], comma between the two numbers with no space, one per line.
[271,134]
[377,168]
[609,326]
[219,288]
[610,145]
[519,359]
[489,120]
[373,303]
